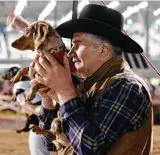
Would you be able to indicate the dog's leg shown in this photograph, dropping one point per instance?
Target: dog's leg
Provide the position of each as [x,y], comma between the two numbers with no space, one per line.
[25,129]
[32,93]
[14,97]
[20,73]
[43,132]
[31,120]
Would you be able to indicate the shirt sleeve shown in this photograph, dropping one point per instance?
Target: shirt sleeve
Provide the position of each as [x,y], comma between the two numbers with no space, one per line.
[46,117]
[123,107]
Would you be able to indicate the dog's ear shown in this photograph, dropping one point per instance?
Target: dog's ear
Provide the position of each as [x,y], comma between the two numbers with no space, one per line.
[23,43]
[42,30]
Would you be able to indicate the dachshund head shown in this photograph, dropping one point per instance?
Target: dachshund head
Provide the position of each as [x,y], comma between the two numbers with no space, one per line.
[10,73]
[40,37]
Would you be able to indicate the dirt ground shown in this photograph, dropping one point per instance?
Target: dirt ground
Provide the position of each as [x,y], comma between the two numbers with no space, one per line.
[12,143]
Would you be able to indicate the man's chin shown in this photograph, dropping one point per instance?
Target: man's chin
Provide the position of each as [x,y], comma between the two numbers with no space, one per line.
[80,74]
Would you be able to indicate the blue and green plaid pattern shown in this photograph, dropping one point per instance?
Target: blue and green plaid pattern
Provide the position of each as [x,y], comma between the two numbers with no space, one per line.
[122,107]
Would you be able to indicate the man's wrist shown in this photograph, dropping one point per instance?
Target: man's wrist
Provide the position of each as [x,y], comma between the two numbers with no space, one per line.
[48,103]
[66,95]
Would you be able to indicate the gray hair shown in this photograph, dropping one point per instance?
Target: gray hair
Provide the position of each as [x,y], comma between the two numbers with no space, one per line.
[116,51]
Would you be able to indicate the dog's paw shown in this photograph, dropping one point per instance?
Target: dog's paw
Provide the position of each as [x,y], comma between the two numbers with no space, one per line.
[30,97]
[14,98]
[18,131]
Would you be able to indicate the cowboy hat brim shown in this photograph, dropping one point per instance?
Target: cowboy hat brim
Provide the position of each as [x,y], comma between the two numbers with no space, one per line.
[114,36]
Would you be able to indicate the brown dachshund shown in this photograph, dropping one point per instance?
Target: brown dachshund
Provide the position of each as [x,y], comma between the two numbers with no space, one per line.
[40,37]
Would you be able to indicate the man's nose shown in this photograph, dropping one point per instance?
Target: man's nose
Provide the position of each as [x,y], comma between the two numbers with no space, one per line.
[71,52]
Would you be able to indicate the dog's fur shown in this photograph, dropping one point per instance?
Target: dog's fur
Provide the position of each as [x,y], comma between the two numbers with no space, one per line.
[40,37]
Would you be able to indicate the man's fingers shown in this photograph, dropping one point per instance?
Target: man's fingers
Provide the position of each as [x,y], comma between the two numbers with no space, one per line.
[66,62]
[34,82]
[43,62]
[39,79]
[31,72]
[36,58]
[50,58]
[40,70]
[32,64]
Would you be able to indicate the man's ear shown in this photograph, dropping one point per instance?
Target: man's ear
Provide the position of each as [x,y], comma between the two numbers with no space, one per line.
[23,43]
[105,50]
[40,34]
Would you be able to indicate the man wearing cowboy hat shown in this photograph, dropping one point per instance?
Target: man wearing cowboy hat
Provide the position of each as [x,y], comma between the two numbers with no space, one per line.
[115,116]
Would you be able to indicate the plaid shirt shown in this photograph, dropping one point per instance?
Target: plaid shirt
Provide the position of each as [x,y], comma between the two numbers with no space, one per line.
[122,107]
[46,117]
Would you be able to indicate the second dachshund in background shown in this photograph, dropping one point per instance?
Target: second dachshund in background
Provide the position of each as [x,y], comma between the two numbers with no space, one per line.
[18,89]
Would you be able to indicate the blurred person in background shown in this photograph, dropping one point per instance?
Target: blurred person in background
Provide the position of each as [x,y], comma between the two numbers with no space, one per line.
[115,118]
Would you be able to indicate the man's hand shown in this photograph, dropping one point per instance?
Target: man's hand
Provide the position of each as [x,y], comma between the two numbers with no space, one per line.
[32,70]
[47,96]
[56,77]
[17,22]
[47,101]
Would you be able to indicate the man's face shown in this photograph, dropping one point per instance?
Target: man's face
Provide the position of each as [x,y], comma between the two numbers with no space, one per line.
[85,54]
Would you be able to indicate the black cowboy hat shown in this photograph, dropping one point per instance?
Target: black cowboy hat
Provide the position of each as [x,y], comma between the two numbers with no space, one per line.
[102,21]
